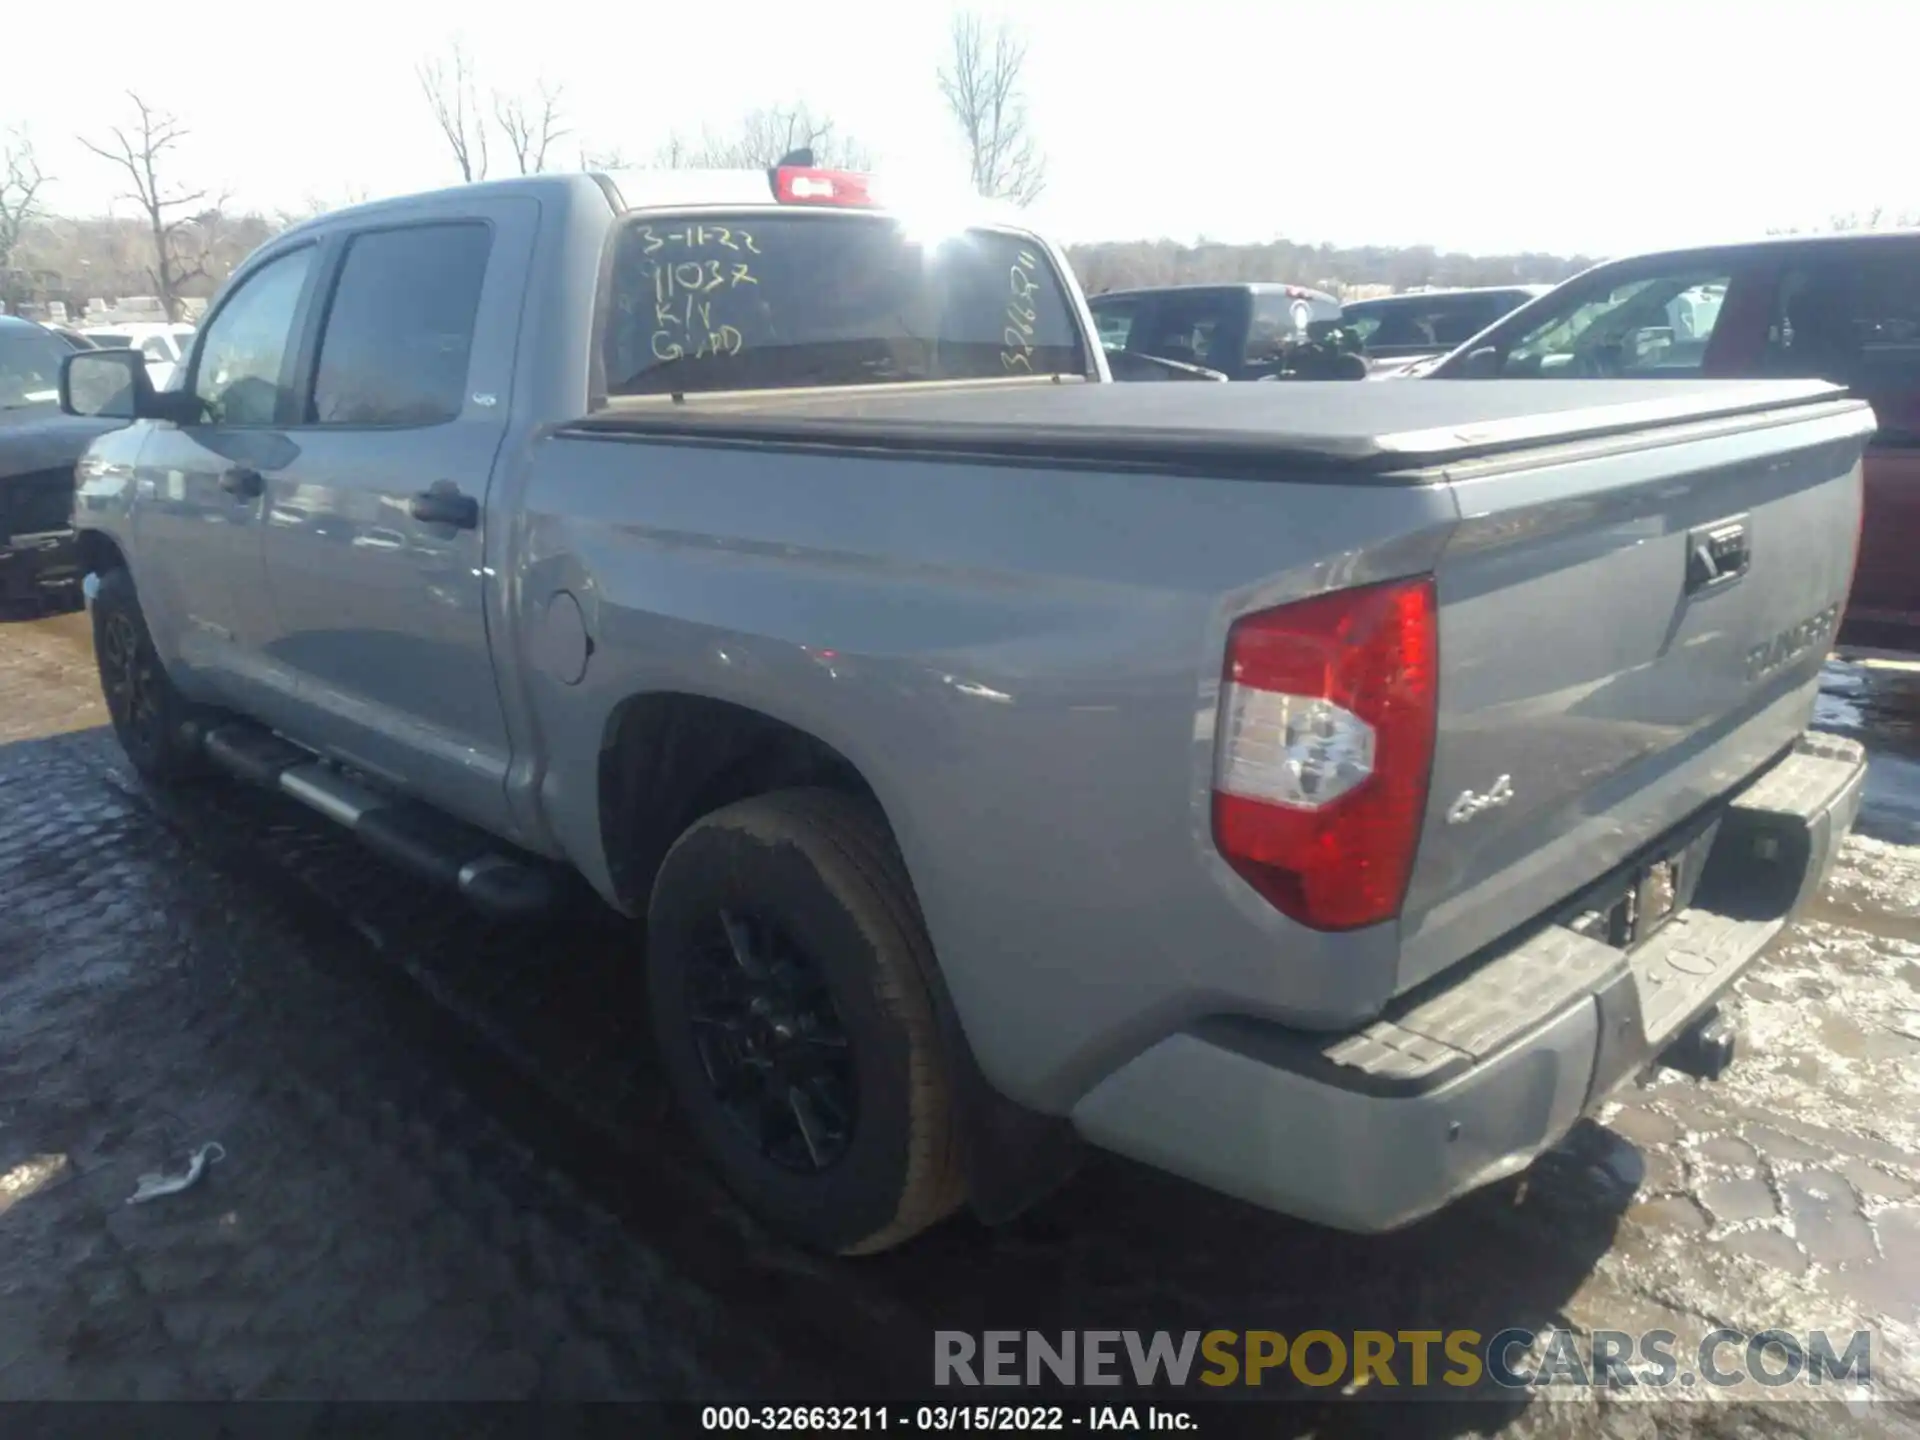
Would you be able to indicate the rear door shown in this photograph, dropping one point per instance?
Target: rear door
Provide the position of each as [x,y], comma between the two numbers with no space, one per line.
[374,538]
[1885,317]
[1849,312]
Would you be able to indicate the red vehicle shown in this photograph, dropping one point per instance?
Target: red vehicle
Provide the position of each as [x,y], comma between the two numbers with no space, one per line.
[1844,307]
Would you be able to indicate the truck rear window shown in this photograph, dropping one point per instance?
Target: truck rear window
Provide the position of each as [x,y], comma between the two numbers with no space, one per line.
[771,301]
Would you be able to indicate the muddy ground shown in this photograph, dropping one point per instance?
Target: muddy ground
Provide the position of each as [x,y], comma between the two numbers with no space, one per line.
[449,1173]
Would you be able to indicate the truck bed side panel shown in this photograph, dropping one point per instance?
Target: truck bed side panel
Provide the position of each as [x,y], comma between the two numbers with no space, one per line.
[1023,666]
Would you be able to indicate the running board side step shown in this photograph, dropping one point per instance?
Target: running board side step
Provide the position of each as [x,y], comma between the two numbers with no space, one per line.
[414,836]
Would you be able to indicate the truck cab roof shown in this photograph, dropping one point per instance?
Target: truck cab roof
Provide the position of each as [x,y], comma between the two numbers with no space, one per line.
[634,189]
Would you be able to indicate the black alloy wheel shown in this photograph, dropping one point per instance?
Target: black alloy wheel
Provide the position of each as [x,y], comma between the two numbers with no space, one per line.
[772,1044]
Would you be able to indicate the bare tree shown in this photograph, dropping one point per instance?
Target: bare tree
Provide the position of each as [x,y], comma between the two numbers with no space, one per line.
[530,129]
[1873,219]
[614,158]
[453,97]
[1854,220]
[982,88]
[21,181]
[677,151]
[763,137]
[183,225]
[314,204]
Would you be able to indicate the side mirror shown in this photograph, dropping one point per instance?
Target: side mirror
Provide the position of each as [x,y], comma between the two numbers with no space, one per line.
[107,384]
[115,385]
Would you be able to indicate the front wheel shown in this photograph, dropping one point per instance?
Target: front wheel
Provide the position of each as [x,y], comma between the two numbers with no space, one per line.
[787,968]
[151,718]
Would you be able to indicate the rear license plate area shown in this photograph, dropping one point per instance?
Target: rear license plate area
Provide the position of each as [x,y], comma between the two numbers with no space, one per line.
[1632,906]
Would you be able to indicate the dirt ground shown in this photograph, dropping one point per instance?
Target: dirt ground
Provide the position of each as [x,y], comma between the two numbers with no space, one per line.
[449,1174]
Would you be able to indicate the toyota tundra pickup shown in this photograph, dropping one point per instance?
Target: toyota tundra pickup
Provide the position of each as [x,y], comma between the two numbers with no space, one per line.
[1326,792]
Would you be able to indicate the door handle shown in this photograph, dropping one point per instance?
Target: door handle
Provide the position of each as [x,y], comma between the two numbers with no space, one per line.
[242,482]
[1718,554]
[443,504]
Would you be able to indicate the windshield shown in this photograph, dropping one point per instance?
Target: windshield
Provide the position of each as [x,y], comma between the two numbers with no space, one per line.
[111,340]
[29,368]
[772,301]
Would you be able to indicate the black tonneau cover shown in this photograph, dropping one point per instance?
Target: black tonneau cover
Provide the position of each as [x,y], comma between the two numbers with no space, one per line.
[1397,426]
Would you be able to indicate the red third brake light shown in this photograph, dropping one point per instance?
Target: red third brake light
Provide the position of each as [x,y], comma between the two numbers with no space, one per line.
[1324,747]
[803,185]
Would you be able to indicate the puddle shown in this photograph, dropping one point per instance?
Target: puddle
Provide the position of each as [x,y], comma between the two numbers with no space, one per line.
[1733,1201]
[1772,1248]
[1882,709]
[1887,1287]
[1826,1218]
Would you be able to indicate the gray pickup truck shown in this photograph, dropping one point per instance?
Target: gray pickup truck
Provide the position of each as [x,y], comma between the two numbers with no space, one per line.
[1327,792]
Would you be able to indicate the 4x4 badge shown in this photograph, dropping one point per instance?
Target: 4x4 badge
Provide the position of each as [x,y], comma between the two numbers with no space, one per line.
[1470,804]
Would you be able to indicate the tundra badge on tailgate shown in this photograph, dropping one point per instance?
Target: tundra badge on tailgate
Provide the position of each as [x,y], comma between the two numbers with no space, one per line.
[1791,644]
[1470,804]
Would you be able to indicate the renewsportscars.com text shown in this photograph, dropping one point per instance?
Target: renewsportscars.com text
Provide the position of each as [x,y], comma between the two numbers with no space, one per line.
[1447,1360]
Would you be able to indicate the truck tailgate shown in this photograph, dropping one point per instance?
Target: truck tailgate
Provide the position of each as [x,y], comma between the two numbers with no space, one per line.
[1627,629]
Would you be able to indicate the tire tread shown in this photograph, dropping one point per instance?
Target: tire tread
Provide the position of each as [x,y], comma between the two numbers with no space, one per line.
[842,832]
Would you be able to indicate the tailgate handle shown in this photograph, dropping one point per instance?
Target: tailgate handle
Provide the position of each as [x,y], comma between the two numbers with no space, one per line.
[1718,554]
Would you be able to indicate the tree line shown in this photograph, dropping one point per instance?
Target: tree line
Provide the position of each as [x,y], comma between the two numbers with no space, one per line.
[1337,269]
[182,240]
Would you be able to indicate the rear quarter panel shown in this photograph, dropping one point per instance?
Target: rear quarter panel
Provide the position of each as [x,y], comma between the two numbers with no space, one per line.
[1022,663]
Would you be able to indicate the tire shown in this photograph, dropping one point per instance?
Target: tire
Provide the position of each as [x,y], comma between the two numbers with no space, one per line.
[812,885]
[153,722]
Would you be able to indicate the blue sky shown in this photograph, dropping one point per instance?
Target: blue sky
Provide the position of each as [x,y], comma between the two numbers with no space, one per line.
[1561,125]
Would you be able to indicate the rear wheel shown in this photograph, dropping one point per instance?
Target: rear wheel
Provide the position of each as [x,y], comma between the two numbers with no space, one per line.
[787,968]
[151,719]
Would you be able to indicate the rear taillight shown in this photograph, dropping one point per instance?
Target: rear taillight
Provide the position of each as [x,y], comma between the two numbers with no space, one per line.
[807,185]
[1324,748]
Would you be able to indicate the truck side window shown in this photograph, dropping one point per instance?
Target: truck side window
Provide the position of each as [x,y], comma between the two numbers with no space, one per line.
[400,328]
[1810,333]
[1884,358]
[1274,326]
[1188,329]
[1114,320]
[244,354]
[1655,325]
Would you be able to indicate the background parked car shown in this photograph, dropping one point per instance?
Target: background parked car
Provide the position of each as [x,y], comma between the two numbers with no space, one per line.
[38,448]
[67,333]
[1844,307]
[165,346]
[1398,331]
[1246,332]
